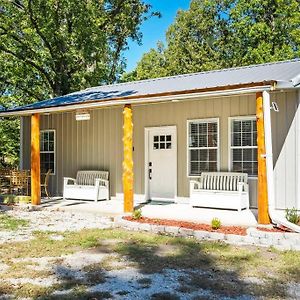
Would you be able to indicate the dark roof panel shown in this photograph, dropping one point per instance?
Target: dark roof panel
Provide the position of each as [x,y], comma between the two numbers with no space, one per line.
[284,71]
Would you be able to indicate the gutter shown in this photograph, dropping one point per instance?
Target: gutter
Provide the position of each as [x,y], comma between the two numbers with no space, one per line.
[274,215]
[296,80]
[147,99]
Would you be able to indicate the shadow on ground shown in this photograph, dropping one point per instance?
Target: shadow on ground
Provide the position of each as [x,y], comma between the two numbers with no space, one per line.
[186,270]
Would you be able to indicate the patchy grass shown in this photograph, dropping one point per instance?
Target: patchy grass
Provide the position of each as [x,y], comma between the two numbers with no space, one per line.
[221,267]
[32,291]
[11,223]
[21,270]
[79,295]
[143,250]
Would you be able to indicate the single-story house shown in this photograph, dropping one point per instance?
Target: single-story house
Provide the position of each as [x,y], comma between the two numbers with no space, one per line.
[182,126]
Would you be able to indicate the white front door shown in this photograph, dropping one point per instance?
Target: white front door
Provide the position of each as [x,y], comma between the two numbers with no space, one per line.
[161,165]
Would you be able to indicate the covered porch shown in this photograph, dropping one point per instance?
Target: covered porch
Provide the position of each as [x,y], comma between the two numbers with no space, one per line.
[95,144]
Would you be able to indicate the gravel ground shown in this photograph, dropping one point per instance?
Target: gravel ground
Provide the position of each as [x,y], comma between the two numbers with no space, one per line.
[51,220]
[122,280]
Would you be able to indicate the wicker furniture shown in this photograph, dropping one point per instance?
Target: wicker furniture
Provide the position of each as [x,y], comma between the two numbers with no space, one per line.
[220,190]
[88,185]
[19,181]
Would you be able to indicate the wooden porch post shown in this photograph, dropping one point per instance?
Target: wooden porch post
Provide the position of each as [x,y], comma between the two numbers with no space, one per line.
[35,160]
[128,159]
[263,215]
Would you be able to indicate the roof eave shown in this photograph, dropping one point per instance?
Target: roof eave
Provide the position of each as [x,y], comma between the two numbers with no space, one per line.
[150,99]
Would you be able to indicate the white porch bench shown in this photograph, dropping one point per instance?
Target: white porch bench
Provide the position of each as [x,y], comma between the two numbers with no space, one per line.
[88,185]
[220,190]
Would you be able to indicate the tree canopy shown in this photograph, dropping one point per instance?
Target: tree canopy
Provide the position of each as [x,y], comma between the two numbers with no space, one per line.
[51,48]
[215,34]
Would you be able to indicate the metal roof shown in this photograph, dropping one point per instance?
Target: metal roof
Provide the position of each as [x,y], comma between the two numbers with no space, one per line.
[285,73]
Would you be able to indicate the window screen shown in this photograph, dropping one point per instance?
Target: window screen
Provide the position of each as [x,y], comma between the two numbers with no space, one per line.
[47,139]
[202,146]
[244,146]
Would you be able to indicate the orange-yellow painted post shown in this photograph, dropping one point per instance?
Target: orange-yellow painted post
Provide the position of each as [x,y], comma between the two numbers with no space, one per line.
[263,215]
[35,160]
[128,159]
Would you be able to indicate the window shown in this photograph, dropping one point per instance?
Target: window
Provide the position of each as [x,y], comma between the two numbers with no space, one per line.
[244,145]
[203,142]
[47,138]
[162,142]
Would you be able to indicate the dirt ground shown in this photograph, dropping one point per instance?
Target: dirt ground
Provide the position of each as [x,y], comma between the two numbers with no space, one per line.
[76,262]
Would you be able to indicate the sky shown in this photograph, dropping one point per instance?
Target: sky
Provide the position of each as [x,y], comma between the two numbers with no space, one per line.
[154,29]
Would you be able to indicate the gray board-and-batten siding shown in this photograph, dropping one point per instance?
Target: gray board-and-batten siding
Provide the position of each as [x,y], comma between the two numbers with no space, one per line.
[97,144]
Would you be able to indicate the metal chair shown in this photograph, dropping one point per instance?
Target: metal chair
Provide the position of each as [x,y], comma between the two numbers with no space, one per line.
[45,182]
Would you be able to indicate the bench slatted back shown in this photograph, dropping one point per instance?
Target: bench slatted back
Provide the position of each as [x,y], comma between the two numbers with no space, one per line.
[89,177]
[222,181]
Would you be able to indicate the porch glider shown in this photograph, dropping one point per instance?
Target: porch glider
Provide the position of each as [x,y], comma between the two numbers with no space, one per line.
[220,190]
[88,185]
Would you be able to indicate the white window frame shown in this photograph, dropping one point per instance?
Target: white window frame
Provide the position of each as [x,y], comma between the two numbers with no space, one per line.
[230,120]
[209,120]
[54,151]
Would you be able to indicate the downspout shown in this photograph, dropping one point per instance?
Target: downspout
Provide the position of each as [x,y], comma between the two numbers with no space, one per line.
[21,164]
[298,148]
[275,217]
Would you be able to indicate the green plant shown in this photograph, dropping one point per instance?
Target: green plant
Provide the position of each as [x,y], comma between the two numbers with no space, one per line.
[11,223]
[13,199]
[137,214]
[292,215]
[215,223]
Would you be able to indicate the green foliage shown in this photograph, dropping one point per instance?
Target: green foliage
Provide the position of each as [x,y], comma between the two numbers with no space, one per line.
[51,48]
[292,215]
[137,214]
[12,199]
[215,223]
[215,34]
[9,142]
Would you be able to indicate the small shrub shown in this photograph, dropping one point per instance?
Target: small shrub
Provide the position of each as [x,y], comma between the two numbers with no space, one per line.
[215,223]
[137,214]
[13,199]
[292,215]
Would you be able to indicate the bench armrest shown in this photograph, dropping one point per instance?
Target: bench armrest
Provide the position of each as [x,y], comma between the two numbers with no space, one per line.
[194,184]
[68,180]
[101,182]
[242,187]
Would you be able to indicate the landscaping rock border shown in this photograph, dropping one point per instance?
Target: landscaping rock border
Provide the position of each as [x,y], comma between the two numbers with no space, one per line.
[278,240]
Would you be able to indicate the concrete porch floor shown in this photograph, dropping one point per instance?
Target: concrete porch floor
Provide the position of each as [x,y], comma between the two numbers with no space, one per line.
[172,211]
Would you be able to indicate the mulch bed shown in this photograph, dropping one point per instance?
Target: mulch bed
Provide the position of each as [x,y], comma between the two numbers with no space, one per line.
[274,229]
[190,225]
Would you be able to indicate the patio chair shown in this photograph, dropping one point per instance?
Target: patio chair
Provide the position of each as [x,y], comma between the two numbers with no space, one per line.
[19,181]
[45,182]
